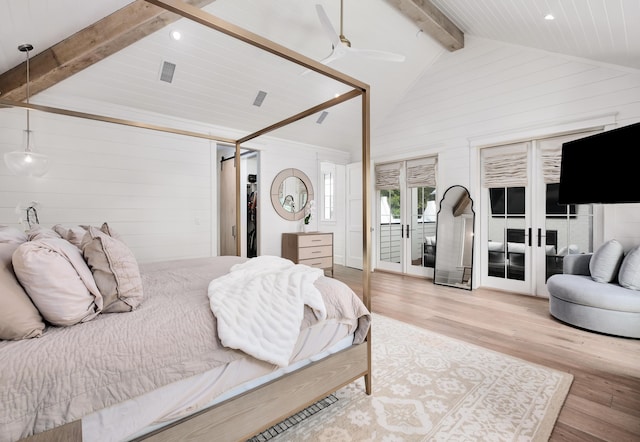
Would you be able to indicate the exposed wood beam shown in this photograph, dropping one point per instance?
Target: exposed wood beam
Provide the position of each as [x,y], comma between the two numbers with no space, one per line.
[86,47]
[432,22]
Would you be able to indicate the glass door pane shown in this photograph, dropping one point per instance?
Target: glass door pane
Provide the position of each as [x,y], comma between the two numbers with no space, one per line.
[568,230]
[507,233]
[390,228]
[422,218]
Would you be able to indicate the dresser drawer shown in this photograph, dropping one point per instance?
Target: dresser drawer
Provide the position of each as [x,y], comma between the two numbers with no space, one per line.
[319,263]
[314,240]
[315,252]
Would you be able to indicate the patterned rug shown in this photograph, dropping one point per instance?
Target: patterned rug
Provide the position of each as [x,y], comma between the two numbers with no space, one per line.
[428,387]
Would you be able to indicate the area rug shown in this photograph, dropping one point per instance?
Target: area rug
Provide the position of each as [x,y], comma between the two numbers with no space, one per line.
[429,387]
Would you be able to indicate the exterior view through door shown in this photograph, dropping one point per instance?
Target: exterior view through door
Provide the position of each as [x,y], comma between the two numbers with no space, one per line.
[406,215]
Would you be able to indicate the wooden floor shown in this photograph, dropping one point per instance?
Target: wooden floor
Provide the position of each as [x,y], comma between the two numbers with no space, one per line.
[604,399]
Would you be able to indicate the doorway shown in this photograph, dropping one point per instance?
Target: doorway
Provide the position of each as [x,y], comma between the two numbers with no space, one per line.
[249,210]
[526,233]
[406,216]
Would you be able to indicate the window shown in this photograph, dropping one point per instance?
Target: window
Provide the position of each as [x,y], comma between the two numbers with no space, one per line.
[328,180]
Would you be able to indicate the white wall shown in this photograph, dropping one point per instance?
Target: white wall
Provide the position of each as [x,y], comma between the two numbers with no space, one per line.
[153,188]
[495,90]
[276,155]
[158,190]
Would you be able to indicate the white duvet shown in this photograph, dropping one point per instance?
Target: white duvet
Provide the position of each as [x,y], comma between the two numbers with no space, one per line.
[259,306]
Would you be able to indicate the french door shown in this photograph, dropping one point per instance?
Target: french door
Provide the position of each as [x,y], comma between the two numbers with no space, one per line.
[406,219]
[526,233]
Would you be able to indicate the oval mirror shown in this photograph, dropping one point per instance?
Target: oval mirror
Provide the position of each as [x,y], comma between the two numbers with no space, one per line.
[454,239]
[291,190]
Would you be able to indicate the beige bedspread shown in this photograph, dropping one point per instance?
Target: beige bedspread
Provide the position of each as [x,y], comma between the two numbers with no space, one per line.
[73,371]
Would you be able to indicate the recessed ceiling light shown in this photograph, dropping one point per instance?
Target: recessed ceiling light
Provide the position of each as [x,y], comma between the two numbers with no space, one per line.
[176,35]
[549,17]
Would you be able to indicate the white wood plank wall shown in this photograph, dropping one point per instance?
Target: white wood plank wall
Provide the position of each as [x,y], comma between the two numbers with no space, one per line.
[154,188]
[158,190]
[490,89]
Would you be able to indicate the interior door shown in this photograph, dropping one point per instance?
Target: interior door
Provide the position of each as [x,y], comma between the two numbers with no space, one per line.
[228,207]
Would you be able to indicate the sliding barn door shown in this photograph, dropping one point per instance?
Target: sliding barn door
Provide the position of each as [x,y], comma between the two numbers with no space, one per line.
[228,207]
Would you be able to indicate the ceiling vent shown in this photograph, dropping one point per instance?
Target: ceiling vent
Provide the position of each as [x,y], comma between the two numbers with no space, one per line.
[167,71]
[322,116]
[259,98]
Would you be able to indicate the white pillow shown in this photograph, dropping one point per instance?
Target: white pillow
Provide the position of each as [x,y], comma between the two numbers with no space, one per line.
[115,271]
[629,275]
[73,234]
[430,240]
[12,235]
[495,246]
[605,262]
[58,280]
[550,250]
[19,318]
[37,232]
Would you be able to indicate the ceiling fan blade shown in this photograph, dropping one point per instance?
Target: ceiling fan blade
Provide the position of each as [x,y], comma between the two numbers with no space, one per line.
[338,52]
[377,55]
[327,26]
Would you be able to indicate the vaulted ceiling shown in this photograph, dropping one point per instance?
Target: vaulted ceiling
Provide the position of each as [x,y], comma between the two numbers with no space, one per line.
[118,59]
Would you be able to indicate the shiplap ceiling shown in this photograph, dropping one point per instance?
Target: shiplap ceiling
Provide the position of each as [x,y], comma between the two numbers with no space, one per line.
[217,79]
[603,30]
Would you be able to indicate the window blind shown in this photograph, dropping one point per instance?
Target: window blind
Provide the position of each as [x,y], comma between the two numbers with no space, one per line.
[421,172]
[551,155]
[388,176]
[505,166]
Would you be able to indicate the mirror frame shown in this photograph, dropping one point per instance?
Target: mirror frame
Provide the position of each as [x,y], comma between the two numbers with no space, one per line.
[275,193]
[458,208]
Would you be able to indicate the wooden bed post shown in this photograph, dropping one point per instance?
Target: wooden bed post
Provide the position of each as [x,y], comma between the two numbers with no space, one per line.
[366,221]
[238,205]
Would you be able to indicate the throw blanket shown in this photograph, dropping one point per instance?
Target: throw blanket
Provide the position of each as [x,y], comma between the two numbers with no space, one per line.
[259,306]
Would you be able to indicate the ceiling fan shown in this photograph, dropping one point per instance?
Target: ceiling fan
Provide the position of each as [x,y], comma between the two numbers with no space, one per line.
[342,46]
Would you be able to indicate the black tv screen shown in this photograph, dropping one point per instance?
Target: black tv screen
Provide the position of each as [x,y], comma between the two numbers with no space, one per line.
[601,168]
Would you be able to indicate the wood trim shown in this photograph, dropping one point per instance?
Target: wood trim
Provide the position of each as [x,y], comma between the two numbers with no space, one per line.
[120,121]
[461,204]
[87,47]
[432,22]
[256,40]
[315,109]
[71,432]
[244,416]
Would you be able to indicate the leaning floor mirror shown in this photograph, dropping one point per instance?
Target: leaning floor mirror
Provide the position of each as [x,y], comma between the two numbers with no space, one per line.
[454,239]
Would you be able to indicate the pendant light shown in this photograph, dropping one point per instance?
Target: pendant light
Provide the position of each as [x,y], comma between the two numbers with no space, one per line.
[27,162]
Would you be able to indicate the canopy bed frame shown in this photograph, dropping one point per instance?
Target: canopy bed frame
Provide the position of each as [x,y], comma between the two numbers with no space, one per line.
[243,416]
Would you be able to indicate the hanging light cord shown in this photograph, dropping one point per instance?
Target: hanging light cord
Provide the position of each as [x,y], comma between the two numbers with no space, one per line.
[26,48]
[28,110]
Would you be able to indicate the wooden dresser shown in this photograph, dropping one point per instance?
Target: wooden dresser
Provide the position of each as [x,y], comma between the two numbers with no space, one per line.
[314,249]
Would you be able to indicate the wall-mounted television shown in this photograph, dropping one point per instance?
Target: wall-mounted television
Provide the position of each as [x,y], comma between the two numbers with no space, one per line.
[601,168]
